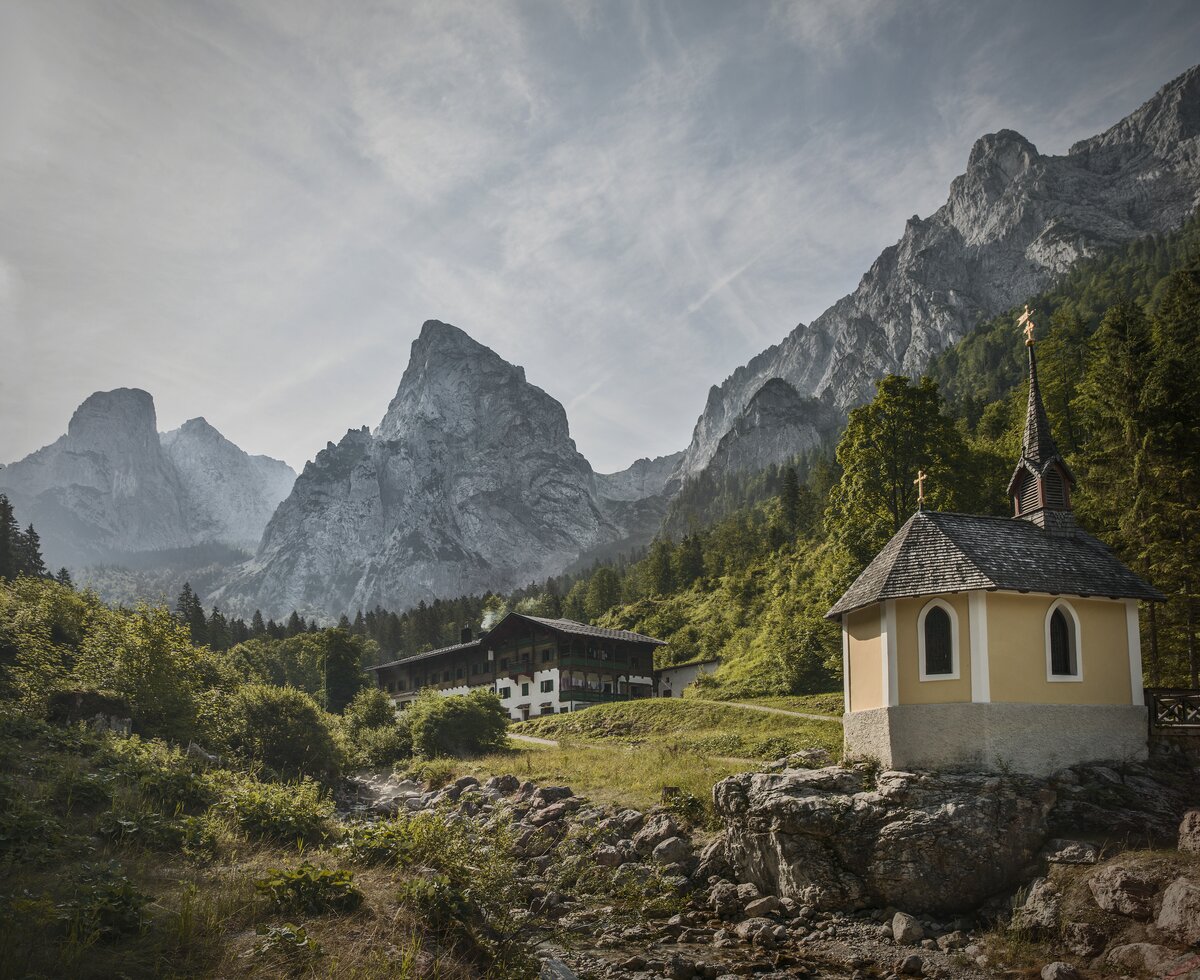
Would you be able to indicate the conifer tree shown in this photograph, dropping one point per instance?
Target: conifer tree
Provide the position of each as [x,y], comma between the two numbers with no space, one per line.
[257,628]
[29,550]
[64,578]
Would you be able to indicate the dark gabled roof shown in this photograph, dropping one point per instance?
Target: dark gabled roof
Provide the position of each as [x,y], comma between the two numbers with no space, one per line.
[470,644]
[937,552]
[560,625]
[582,629]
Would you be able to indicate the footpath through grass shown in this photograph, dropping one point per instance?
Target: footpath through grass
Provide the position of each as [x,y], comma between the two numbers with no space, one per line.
[702,727]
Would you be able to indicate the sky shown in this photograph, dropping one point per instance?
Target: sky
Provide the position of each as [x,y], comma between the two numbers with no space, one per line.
[249,207]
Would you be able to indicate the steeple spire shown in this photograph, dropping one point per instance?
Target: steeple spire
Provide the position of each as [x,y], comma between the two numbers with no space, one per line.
[1041,484]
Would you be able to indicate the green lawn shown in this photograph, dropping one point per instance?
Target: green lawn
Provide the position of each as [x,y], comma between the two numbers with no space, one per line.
[818,704]
[706,728]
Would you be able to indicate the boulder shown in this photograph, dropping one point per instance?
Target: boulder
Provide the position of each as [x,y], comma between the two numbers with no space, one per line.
[1180,912]
[1041,908]
[505,784]
[1189,832]
[1061,851]
[1125,890]
[906,930]
[608,856]
[723,900]
[910,966]
[748,929]
[712,860]
[546,795]
[768,905]
[931,843]
[674,850]
[748,892]
[1084,938]
[1059,971]
[1149,958]
[657,829]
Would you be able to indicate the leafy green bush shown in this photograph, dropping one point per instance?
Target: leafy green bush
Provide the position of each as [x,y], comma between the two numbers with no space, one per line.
[384,746]
[144,828]
[437,900]
[163,775]
[105,905]
[423,839]
[282,812]
[310,889]
[462,725]
[371,708]
[283,729]
[291,941]
[435,773]
[27,831]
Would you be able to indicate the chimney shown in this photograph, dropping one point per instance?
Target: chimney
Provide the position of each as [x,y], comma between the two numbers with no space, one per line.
[466,635]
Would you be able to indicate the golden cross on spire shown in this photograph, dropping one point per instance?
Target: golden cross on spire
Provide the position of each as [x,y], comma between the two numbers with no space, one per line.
[920,484]
[1026,320]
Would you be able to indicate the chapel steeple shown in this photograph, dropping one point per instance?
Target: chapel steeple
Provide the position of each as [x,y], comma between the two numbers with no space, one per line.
[1041,484]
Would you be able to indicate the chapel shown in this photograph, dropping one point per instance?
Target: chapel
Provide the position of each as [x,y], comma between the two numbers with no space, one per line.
[996,643]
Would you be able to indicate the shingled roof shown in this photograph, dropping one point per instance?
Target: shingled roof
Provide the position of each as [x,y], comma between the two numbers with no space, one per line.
[600,632]
[937,552]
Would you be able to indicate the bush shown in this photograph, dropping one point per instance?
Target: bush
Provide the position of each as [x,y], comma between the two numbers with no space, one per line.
[383,746]
[423,839]
[105,906]
[282,812]
[283,729]
[469,724]
[371,708]
[163,775]
[291,942]
[141,829]
[310,889]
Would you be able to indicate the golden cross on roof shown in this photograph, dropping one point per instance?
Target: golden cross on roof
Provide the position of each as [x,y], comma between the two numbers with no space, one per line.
[1026,320]
[920,484]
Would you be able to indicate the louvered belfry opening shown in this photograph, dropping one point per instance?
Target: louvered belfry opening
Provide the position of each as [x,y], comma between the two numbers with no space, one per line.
[939,657]
[1041,481]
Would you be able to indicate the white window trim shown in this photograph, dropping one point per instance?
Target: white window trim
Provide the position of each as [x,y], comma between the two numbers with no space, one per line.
[955,658]
[1077,643]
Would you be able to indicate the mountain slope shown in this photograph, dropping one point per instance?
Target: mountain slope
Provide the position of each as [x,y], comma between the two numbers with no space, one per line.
[1014,221]
[111,486]
[470,482]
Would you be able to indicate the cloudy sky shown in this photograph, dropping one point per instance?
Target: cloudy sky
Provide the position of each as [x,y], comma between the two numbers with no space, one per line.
[248,208]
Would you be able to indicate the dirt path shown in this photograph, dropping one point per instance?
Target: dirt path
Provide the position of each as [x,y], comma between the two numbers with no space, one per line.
[771,711]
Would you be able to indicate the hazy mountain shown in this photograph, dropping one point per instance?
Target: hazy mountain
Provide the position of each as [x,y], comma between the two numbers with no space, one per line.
[1013,221]
[470,482]
[112,487]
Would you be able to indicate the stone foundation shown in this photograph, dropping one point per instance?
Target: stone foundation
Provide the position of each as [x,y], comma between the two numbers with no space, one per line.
[1029,738]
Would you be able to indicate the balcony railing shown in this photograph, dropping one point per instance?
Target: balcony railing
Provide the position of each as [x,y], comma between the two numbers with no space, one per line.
[1173,707]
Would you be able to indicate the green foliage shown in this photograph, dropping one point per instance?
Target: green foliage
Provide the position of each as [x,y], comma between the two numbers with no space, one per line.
[383,746]
[370,708]
[285,812]
[309,889]
[283,729]
[464,725]
[422,839]
[105,906]
[437,900]
[291,942]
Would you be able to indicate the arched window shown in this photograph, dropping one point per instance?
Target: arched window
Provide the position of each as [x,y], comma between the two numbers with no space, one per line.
[1063,661]
[937,639]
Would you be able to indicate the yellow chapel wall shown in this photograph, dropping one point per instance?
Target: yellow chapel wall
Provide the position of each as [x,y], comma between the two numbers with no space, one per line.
[865,655]
[912,689]
[1016,626]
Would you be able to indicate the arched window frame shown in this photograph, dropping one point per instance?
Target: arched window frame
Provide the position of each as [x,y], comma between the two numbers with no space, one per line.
[955,658]
[1076,644]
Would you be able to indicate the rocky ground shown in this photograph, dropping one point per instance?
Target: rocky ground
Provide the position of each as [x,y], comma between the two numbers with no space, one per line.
[626,894]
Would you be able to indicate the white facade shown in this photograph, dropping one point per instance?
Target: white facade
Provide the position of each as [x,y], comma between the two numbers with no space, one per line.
[672,680]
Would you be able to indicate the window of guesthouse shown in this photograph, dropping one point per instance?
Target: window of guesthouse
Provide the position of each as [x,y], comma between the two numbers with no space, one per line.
[937,642]
[1063,662]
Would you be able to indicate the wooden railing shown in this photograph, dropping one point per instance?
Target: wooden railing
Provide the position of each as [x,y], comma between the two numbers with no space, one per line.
[1173,707]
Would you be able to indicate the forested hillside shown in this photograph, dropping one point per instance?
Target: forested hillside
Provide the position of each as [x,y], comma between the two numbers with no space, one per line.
[1118,360]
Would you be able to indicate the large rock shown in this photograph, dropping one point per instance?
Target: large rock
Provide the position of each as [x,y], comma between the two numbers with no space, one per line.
[1180,912]
[1126,890]
[1155,960]
[1041,908]
[1189,832]
[1014,221]
[923,842]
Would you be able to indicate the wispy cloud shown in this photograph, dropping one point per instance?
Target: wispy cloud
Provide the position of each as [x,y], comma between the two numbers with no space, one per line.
[249,208]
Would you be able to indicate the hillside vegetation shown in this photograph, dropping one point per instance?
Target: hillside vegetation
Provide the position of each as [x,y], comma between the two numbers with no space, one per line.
[689,725]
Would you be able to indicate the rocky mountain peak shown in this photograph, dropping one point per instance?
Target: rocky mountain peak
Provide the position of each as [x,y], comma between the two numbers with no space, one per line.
[1161,125]
[120,420]
[1005,155]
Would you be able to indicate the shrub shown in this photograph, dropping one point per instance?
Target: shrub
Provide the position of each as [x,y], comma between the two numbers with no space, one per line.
[310,889]
[292,942]
[163,775]
[371,708]
[105,905]
[437,900]
[421,839]
[283,729]
[462,725]
[146,829]
[382,746]
[282,812]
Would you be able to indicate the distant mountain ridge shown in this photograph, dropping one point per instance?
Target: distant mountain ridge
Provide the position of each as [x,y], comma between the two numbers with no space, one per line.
[113,487]
[1013,221]
[470,482]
